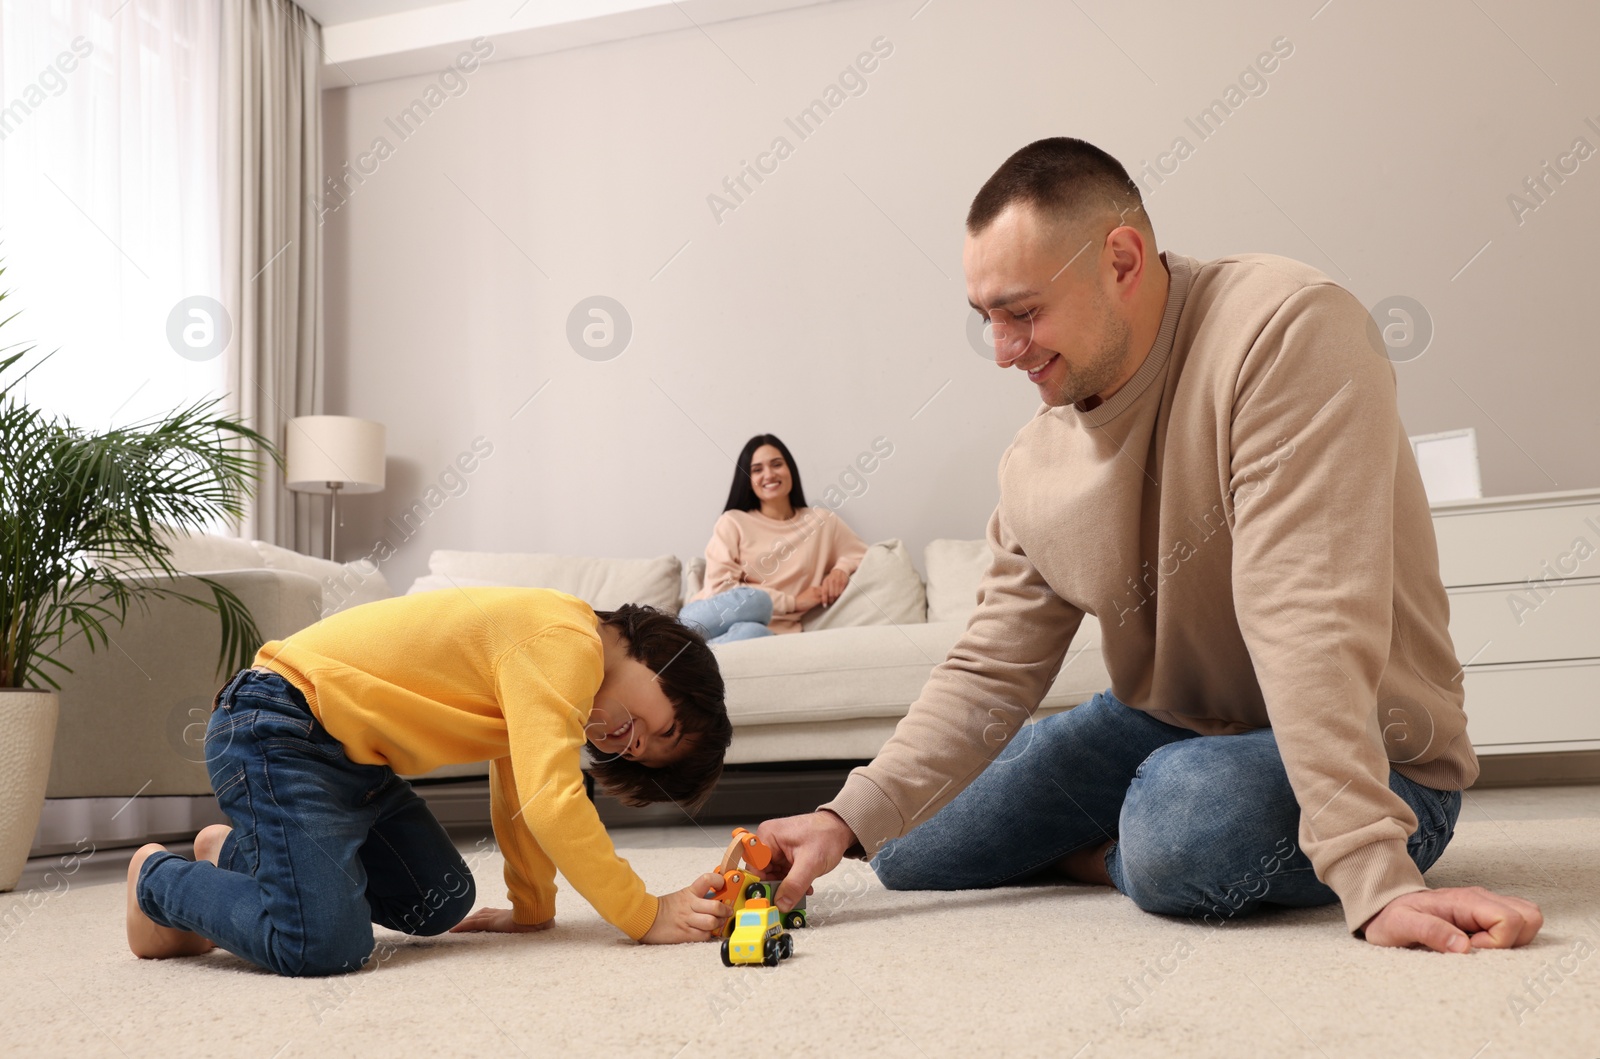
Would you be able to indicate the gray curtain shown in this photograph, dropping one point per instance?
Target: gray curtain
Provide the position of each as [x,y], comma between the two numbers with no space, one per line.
[272,247]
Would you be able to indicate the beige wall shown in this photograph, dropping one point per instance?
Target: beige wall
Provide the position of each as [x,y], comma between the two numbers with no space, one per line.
[828,307]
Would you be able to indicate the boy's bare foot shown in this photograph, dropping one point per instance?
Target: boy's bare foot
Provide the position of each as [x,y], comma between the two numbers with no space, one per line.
[147,939]
[208,843]
[1086,865]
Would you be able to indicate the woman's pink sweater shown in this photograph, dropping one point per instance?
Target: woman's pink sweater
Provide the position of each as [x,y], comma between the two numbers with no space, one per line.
[782,558]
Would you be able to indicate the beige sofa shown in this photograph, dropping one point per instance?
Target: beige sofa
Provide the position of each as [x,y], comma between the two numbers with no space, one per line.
[832,693]
[128,764]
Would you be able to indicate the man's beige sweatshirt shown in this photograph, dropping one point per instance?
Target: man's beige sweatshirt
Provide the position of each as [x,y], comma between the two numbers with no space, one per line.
[1246,520]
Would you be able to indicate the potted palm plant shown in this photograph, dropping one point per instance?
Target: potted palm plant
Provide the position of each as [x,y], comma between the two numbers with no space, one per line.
[85,523]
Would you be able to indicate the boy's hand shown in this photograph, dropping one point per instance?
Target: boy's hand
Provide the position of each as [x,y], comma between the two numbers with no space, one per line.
[498,921]
[686,916]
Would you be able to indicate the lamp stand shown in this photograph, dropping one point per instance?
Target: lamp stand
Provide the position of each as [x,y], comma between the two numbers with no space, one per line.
[333,516]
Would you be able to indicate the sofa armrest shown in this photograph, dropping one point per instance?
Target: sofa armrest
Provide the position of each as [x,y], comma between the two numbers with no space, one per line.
[133,713]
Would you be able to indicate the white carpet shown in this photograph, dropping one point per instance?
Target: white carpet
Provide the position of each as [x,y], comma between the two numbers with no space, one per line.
[1041,971]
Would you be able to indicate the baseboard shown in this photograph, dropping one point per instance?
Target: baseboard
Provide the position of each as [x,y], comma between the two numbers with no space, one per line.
[749,794]
[746,794]
[73,824]
[1551,769]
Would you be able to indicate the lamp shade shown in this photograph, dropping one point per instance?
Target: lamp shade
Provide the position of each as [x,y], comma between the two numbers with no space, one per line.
[320,450]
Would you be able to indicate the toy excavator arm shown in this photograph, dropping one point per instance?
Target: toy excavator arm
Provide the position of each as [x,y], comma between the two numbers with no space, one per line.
[756,853]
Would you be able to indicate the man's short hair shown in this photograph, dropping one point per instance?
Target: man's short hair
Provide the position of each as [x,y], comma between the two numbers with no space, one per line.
[687,672]
[1065,180]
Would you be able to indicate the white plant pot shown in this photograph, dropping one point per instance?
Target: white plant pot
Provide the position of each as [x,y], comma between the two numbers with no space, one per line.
[27,739]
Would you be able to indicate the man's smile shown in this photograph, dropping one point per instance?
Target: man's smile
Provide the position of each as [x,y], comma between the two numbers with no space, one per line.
[1036,372]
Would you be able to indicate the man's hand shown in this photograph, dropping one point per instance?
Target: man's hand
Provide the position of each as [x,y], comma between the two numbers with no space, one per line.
[804,847]
[498,921]
[1459,919]
[833,586]
[687,916]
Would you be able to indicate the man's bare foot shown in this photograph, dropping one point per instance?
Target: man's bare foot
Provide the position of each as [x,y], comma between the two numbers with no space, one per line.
[208,843]
[1086,865]
[147,939]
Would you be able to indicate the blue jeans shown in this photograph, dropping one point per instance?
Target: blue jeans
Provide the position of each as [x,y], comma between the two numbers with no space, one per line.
[737,614]
[322,848]
[1200,826]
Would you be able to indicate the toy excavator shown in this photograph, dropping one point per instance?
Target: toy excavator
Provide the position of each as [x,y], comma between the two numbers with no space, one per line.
[744,884]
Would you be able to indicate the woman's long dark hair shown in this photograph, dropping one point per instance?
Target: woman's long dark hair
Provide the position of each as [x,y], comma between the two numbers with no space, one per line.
[742,497]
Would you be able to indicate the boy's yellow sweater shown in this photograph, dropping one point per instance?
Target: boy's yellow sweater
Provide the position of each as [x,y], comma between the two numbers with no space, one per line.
[504,675]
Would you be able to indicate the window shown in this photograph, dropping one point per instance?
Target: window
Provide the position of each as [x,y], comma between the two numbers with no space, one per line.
[110,198]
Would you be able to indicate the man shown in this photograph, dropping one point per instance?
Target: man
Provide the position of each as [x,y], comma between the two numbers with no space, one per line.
[1220,475]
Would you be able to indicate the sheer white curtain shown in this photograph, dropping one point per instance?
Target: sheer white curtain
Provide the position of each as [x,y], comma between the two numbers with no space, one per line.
[110,211]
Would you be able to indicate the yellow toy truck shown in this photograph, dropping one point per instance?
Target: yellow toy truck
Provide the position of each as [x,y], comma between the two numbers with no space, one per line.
[758,936]
[756,932]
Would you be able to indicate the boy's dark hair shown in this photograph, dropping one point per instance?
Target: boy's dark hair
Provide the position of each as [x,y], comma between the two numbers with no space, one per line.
[1059,177]
[742,496]
[687,672]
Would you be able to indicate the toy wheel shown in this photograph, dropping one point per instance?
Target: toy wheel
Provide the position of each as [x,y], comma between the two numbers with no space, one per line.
[794,920]
[788,946]
[755,889]
[772,952]
[727,960]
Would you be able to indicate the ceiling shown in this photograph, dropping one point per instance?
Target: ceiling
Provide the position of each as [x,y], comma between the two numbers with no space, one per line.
[338,12]
[376,40]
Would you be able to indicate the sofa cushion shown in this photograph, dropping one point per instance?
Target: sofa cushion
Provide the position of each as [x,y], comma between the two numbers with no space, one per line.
[870,671]
[436,582]
[604,584]
[344,585]
[694,577]
[955,568]
[205,553]
[885,590]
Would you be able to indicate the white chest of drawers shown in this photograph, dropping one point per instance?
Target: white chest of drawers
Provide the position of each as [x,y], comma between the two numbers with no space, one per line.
[1523,576]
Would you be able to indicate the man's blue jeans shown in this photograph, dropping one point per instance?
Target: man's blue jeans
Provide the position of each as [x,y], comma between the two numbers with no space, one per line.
[322,848]
[1201,826]
[737,614]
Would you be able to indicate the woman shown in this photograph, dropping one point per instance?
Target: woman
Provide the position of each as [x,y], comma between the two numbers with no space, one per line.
[771,558]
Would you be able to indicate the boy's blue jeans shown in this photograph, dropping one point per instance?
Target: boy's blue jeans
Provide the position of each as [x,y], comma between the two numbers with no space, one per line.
[737,614]
[1202,826]
[321,849]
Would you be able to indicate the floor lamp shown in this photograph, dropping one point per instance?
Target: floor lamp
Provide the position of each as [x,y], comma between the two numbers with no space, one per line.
[333,455]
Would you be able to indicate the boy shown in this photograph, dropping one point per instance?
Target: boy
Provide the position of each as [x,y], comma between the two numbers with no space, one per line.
[303,751]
